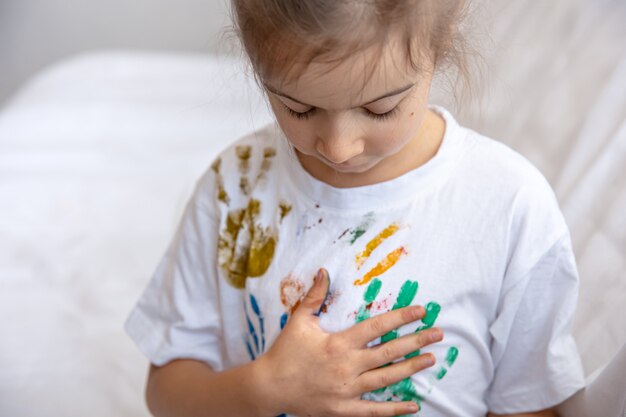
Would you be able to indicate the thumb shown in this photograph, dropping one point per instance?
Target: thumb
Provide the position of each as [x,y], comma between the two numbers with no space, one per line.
[315,298]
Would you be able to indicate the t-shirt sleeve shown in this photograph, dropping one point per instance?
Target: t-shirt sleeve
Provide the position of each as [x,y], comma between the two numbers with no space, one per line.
[536,361]
[178,314]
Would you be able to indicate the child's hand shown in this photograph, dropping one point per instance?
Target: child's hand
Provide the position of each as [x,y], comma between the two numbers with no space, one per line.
[312,373]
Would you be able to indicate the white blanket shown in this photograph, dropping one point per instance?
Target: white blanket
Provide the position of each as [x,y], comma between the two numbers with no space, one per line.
[97,158]
[99,153]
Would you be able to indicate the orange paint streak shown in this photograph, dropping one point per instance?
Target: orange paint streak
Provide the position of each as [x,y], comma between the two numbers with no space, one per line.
[389,261]
[374,243]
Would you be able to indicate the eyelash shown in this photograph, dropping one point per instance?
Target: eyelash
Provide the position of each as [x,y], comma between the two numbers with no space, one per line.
[376,116]
[382,116]
[300,116]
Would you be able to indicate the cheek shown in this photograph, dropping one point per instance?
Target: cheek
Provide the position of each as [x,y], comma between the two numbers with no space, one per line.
[288,124]
[395,134]
[295,133]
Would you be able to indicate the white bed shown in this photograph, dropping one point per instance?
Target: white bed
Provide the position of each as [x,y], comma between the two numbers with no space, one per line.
[99,153]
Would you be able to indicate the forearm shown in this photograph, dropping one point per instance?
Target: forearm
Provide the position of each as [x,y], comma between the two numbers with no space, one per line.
[543,413]
[190,388]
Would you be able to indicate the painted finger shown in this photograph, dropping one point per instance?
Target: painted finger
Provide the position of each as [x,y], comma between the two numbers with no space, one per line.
[367,330]
[363,408]
[316,296]
[389,375]
[405,346]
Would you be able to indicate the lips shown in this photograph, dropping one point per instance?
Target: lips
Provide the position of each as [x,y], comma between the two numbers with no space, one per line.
[347,167]
[343,165]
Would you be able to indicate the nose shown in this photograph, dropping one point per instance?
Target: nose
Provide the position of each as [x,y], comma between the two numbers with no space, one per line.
[340,144]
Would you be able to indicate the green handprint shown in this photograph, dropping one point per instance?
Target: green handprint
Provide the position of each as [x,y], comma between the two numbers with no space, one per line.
[432,312]
[405,298]
[370,295]
[404,390]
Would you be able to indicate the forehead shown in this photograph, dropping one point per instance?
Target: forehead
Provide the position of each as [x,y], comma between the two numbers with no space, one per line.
[354,79]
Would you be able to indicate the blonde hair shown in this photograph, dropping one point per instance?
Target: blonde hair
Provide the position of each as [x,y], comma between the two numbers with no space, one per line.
[281,37]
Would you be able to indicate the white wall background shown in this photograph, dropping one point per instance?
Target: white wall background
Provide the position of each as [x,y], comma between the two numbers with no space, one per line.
[35,33]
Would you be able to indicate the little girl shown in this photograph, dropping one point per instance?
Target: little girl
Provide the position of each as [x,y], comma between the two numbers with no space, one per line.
[322,258]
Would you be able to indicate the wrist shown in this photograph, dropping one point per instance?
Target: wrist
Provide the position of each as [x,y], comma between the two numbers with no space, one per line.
[263,389]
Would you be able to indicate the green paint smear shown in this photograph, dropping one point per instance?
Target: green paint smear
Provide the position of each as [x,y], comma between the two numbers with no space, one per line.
[370,295]
[453,352]
[362,228]
[404,299]
[356,234]
[407,293]
[362,314]
[451,356]
[389,336]
[432,312]
[412,354]
[406,391]
[372,291]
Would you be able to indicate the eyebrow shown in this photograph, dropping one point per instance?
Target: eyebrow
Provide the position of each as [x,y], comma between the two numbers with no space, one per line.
[389,94]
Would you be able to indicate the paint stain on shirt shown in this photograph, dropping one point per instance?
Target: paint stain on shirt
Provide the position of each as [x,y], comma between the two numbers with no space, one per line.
[285,209]
[266,163]
[382,266]
[360,230]
[243,154]
[219,182]
[292,291]
[374,243]
[245,247]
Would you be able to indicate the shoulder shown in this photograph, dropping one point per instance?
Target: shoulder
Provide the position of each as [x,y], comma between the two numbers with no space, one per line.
[502,166]
[503,174]
[486,162]
[241,166]
[510,188]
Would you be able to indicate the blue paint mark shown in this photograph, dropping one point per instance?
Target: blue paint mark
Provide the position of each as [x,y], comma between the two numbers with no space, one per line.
[323,303]
[252,333]
[283,320]
[250,352]
[257,311]
[256,328]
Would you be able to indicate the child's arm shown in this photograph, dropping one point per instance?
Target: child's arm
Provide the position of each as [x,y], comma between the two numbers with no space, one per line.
[191,388]
[543,413]
[306,371]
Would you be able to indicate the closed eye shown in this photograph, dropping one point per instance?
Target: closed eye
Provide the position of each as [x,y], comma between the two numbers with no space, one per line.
[300,115]
[382,116]
[307,114]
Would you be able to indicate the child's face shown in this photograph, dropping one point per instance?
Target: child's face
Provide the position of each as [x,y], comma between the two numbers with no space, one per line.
[348,132]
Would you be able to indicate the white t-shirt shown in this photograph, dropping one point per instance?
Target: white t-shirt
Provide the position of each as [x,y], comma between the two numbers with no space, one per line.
[475,235]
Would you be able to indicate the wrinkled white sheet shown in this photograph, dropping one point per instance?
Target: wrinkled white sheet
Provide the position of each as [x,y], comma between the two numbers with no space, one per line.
[557,94]
[99,154]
